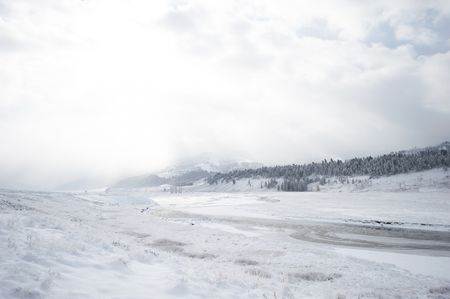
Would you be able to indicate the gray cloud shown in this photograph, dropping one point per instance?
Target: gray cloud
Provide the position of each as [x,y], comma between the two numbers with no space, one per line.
[8,43]
[384,34]
[179,21]
[427,31]
[319,28]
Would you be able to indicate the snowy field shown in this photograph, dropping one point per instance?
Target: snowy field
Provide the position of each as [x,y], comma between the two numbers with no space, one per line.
[224,245]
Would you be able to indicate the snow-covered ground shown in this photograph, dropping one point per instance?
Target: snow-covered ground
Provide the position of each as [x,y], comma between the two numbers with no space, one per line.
[434,180]
[154,244]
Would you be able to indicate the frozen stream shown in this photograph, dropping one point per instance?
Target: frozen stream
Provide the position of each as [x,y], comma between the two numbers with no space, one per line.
[419,251]
[423,248]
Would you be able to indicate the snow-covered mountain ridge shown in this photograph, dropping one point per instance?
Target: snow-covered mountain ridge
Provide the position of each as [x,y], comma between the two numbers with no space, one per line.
[413,167]
[298,177]
[186,173]
[434,180]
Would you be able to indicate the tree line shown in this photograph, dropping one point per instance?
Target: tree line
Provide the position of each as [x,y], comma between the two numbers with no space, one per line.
[296,177]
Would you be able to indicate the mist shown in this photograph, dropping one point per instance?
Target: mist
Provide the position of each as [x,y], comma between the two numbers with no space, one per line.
[93,91]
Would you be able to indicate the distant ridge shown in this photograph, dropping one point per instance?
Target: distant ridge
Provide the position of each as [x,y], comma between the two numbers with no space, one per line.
[294,177]
[297,177]
[186,173]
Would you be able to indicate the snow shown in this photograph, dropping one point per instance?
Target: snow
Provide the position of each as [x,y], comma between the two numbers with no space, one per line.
[426,265]
[153,244]
[230,229]
[419,210]
[434,180]
[207,163]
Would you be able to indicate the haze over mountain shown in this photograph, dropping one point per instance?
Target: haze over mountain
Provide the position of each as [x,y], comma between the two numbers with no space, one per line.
[186,172]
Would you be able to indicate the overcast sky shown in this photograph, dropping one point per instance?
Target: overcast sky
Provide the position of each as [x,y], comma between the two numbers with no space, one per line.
[109,88]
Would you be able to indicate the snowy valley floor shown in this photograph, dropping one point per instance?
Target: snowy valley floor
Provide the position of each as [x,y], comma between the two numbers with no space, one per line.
[224,245]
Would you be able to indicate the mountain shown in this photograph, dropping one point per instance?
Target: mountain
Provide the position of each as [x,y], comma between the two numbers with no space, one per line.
[187,172]
[297,177]
[294,177]
[205,162]
[445,146]
[149,180]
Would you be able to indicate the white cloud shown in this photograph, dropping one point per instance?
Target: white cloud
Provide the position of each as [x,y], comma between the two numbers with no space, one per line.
[108,88]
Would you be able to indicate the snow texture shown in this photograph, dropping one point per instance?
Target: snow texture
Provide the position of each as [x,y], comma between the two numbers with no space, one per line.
[138,244]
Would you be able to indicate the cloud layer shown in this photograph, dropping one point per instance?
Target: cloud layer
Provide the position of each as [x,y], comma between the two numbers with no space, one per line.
[102,89]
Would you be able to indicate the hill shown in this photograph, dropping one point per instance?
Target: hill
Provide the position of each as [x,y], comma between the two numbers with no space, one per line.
[297,177]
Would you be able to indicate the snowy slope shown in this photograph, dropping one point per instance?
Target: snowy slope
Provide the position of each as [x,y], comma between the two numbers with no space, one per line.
[434,180]
[124,245]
